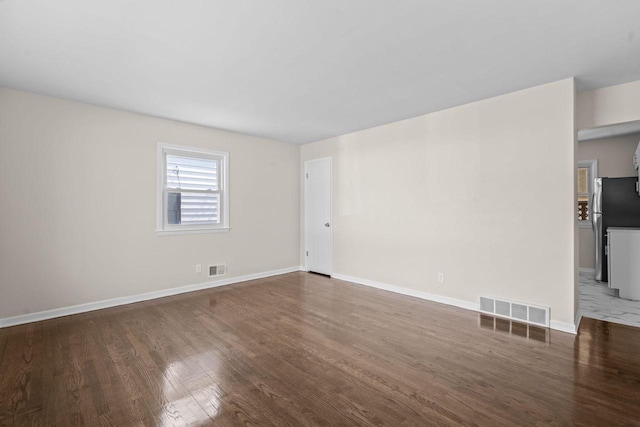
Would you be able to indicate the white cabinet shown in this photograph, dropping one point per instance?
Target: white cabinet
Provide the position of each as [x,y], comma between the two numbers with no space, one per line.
[624,261]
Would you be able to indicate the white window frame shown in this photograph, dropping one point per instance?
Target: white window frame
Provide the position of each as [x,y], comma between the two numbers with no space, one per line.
[162,227]
[592,165]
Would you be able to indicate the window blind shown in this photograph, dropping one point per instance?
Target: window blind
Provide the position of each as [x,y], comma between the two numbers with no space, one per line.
[193,190]
[187,173]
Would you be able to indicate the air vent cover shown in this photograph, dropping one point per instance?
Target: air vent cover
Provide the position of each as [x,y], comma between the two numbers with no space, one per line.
[487,305]
[503,308]
[537,315]
[217,270]
[518,311]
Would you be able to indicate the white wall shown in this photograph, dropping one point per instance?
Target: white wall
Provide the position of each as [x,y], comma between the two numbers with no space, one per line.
[608,106]
[484,192]
[78,205]
[615,159]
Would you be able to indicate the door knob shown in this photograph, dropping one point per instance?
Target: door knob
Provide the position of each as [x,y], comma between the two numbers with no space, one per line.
[326,224]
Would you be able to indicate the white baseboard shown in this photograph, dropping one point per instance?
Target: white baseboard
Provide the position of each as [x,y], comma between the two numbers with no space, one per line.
[554,324]
[563,327]
[587,270]
[114,302]
[578,320]
[410,292]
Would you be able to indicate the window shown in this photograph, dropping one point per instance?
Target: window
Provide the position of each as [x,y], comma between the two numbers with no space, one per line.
[192,190]
[587,172]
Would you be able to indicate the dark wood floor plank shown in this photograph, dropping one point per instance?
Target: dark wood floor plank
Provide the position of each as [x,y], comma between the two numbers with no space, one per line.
[377,378]
[223,351]
[301,353]
[371,374]
[303,350]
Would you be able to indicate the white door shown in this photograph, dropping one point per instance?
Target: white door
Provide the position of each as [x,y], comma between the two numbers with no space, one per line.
[318,215]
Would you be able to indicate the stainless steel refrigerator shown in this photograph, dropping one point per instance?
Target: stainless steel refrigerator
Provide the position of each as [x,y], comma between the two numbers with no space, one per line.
[616,203]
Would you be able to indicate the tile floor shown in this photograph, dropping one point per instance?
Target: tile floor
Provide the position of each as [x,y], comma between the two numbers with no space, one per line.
[599,302]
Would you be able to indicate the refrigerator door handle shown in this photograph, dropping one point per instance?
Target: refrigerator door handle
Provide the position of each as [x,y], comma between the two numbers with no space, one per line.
[596,199]
[597,231]
[596,222]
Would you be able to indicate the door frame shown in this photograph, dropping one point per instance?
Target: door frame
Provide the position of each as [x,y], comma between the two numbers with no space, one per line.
[306,213]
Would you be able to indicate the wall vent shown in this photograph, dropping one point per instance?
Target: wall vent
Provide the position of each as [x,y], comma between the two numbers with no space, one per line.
[518,311]
[217,270]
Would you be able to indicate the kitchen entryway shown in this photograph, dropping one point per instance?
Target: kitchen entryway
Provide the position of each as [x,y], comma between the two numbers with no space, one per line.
[598,301]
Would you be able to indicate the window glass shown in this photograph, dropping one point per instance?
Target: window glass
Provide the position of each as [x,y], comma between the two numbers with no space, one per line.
[192,194]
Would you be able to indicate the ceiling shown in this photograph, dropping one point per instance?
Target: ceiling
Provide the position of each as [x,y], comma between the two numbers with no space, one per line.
[303,70]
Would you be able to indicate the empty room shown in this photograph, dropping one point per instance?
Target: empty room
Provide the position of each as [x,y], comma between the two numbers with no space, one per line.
[336,213]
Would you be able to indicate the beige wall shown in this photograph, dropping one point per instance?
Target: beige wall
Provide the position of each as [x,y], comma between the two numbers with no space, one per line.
[615,159]
[608,106]
[460,191]
[78,205]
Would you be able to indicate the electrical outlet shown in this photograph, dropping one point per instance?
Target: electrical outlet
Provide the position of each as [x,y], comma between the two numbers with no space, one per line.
[198,268]
[440,277]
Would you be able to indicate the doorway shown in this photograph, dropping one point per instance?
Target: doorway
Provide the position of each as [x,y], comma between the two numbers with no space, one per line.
[317,215]
[607,200]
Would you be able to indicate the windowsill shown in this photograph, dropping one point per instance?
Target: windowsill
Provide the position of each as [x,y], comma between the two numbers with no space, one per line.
[585,224]
[192,231]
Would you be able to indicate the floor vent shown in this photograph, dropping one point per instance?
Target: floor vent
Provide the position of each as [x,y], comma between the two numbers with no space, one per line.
[217,270]
[520,312]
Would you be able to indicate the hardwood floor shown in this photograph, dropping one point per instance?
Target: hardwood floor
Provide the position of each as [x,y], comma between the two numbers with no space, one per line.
[301,349]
